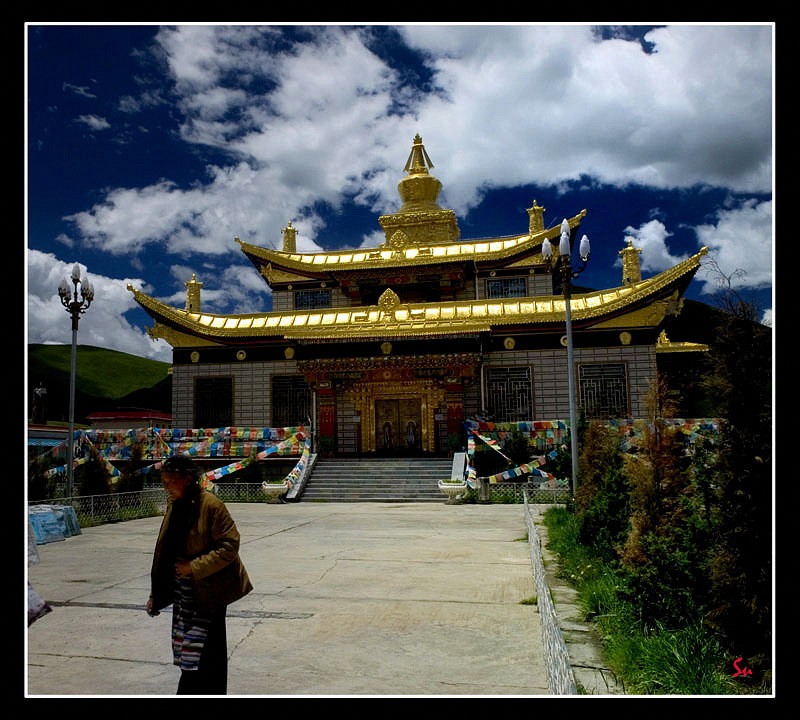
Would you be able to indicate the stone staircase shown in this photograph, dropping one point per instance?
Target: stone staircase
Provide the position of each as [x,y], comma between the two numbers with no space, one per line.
[376,480]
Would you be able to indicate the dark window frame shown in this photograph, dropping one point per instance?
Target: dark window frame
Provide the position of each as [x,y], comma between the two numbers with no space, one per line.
[314,299]
[596,390]
[504,392]
[296,407]
[504,287]
[213,402]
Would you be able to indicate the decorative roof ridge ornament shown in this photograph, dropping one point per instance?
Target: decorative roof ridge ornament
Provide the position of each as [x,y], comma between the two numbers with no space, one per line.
[290,239]
[388,302]
[536,218]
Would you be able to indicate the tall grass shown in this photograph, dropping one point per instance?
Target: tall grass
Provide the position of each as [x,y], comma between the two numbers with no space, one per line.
[650,661]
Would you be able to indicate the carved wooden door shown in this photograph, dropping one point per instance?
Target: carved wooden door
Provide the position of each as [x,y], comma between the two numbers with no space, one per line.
[398,425]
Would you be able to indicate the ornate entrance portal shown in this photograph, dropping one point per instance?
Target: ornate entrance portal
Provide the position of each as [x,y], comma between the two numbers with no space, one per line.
[397,415]
[398,423]
[395,404]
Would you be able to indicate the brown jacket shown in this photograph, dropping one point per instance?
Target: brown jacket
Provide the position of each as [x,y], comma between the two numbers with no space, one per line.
[212,548]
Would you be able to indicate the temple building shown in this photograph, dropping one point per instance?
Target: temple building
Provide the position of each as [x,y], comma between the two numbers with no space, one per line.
[390,349]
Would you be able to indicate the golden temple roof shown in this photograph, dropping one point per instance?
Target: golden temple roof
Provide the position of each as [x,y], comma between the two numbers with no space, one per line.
[391,318]
[484,249]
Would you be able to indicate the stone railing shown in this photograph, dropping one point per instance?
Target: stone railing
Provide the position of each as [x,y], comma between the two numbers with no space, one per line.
[560,676]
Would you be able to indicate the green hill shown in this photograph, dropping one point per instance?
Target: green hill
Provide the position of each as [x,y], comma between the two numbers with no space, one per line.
[104,380]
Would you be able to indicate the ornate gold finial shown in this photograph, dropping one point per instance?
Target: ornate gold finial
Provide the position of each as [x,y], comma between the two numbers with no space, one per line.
[290,238]
[536,215]
[193,294]
[420,218]
[631,270]
[388,302]
[418,161]
[662,338]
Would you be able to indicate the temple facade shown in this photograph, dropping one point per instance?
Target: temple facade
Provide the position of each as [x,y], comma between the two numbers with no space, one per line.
[388,350]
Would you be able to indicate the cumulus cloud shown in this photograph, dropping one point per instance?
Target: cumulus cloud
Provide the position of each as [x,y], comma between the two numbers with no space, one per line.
[103,324]
[741,242]
[651,239]
[512,105]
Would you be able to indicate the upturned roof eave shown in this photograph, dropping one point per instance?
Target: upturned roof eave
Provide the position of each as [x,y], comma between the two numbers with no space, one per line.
[418,319]
[508,248]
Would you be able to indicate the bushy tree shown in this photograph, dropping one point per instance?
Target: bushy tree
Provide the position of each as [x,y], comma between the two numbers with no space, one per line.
[131,478]
[665,552]
[602,500]
[517,447]
[740,566]
[41,484]
[93,477]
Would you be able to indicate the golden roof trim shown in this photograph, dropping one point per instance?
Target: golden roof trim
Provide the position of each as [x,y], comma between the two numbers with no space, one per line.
[665,345]
[676,347]
[480,249]
[414,319]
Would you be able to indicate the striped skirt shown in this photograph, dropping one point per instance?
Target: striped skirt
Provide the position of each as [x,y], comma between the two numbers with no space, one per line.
[189,627]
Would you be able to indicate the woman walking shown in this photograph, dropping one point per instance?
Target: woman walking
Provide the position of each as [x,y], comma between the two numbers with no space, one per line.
[196,569]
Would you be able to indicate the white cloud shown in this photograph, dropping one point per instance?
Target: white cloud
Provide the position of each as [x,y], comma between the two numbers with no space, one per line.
[545,104]
[651,239]
[515,105]
[94,122]
[740,242]
[102,325]
[78,90]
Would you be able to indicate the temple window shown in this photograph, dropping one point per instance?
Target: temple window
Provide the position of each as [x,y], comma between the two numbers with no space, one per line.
[312,299]
[511,287]
[291,400]
[604,391]
[213,402]
[510,391]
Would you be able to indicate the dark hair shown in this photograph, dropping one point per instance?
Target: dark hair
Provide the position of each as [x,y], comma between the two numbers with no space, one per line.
[180,465]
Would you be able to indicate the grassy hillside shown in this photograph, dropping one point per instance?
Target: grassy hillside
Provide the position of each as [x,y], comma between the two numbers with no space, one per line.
[104,380]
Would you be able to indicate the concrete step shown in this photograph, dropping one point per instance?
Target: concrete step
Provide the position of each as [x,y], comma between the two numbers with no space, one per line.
[377,480]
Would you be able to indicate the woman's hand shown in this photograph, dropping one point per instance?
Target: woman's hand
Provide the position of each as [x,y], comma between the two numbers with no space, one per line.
[149,607]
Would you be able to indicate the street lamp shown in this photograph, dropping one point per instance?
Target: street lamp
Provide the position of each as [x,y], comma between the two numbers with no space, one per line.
[563,263]
[75,307]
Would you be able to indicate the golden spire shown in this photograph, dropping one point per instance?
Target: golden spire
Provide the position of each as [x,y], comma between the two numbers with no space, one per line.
[420,220]
[418,161]
[536,215]
[419,189]
[193,294]
[289,238]
[631,270]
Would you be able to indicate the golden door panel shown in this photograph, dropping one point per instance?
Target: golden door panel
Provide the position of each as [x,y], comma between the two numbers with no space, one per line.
[398,424]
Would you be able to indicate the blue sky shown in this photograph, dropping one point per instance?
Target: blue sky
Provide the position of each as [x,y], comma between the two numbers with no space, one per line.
[149,148]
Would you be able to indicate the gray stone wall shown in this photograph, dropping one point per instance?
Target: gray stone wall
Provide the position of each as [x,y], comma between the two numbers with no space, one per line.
[252,390]
[252,385]
[551,385]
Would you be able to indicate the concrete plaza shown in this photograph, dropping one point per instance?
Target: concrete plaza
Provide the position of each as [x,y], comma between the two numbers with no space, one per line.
[350,599]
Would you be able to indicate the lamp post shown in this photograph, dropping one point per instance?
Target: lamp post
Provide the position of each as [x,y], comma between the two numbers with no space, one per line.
[563,263]
[75,307]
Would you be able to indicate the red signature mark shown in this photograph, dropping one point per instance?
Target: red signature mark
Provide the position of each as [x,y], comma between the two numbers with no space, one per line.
[740,672]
